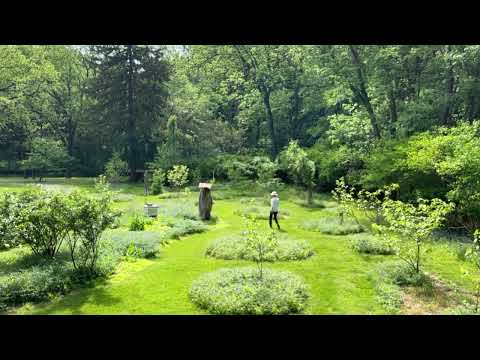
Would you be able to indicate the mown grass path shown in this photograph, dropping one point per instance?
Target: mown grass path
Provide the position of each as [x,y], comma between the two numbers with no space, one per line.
[337,276]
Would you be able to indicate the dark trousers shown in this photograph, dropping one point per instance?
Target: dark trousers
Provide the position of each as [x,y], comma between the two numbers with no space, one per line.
[274,215]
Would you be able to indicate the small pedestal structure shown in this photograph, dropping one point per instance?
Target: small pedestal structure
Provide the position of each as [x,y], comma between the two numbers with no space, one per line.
[150,210]
[205,201]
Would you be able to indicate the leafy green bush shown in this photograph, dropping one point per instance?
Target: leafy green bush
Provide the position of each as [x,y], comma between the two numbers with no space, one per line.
[371,245]
[389,296]
[402,274]
[330,225]
[88,218]
[43,221]
[10,206]
[235,247]
[137,223]
[35,284]
[147,241]
[158,178]
[178,176]
[239,291]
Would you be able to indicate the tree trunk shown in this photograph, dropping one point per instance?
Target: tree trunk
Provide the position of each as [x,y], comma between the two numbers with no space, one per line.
[295,101]
[392,105]
[270,121]
[361,91]
[132,146]
[70,143]
[446,116]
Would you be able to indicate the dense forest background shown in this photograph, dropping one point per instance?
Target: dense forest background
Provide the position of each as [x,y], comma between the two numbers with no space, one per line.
[376,114]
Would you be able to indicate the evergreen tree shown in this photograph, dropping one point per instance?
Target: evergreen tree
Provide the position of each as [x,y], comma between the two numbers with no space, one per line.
[130,89]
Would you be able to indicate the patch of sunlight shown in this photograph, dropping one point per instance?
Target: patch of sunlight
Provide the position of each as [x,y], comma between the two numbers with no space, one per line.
[127,268]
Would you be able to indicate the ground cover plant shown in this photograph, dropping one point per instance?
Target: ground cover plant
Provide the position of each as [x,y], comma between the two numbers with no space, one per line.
[236,247]
[370,244]
[240,291]
[330,225]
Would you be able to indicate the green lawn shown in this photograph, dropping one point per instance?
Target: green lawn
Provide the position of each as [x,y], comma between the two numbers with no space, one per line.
[339,278]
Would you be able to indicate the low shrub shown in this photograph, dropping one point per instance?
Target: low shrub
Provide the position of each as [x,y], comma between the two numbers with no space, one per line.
[35,284]
[391,276]
[239,291]
[331,225]
[146,241]
[181,227]
[157,181]
[137,223]
[403,275]
[368,244]
[178,209]
[389,296]
[235,247]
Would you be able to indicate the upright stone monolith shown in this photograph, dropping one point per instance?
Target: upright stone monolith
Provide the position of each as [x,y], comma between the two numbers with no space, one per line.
[205,201]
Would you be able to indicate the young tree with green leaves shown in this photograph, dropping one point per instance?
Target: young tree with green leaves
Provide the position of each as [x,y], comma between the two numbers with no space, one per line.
[259,243]
[301,168]
[409,226]
[46,155]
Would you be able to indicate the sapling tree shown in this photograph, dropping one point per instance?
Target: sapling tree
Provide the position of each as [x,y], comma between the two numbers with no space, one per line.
[259,243]
[371,203]
[408,226]
[158,178]
[344,196]
[300,167]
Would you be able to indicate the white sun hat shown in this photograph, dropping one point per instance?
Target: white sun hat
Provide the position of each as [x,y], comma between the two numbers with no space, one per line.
[274,193]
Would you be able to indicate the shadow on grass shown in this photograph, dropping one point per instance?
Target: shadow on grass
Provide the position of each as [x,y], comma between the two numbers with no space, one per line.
[27,260]
[92,293]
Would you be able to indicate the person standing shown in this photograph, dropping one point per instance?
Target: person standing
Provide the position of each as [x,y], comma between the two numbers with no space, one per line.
[274,202]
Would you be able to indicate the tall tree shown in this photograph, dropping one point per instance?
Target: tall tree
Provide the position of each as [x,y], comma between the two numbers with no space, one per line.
[131,93]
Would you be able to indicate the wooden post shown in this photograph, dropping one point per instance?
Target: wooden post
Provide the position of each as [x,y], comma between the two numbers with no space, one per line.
[145,182]
[205,201]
